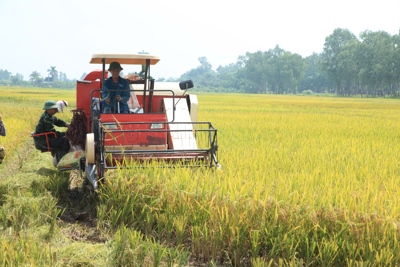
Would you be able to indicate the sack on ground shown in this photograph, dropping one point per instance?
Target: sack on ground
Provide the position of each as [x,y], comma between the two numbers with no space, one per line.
[71,160]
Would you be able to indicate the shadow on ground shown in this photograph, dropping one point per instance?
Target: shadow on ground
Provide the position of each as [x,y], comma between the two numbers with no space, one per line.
[47,172]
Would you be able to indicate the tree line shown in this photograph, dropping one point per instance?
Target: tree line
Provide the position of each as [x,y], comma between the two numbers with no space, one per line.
[366,66]
[54,79]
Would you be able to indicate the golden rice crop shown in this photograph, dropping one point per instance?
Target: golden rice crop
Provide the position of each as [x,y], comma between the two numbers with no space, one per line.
[304,179]
[321,151]
[306,176]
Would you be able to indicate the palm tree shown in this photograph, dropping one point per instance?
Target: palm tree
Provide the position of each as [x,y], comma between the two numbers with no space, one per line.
[53,73]
[34,77]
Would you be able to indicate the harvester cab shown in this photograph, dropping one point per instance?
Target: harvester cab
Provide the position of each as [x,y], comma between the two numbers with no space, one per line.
[161,124]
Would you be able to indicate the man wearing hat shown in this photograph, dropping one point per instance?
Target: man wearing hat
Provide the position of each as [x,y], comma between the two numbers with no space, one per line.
[61,104]
[46,124]
[116,91]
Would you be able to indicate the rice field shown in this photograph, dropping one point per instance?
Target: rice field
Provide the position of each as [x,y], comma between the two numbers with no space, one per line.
[21,109]
[305,181]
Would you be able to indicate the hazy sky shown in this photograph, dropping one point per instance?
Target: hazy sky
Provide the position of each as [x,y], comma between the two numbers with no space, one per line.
[37,34]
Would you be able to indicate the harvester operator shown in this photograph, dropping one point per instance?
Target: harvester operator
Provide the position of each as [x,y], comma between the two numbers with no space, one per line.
[116,91]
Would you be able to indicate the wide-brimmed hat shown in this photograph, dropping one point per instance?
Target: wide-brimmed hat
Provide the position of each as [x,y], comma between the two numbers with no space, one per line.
[65,103]
[115,65]
[50,104]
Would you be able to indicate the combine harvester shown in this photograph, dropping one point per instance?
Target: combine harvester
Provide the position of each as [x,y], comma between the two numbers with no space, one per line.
[162,124]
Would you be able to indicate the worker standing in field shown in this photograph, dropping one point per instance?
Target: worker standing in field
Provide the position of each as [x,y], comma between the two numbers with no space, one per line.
[116,92]
[2,133]
[62,104]
[46,124]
